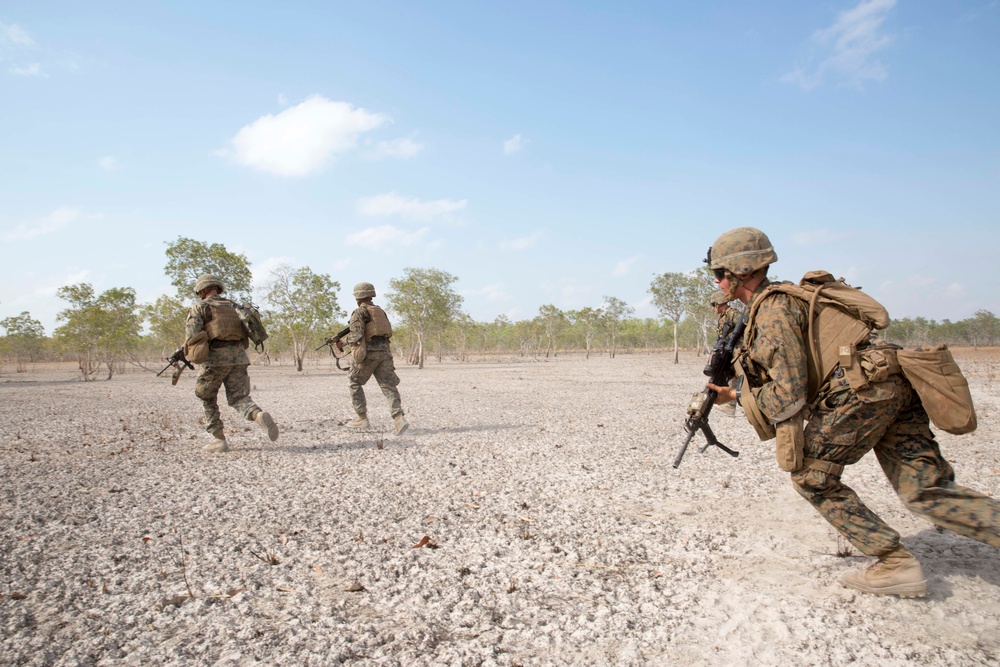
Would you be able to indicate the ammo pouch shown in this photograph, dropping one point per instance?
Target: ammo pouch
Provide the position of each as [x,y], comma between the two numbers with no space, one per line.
[790,443]
[359,352]
[865,369]
[942,388]
[196,348]
[761,424]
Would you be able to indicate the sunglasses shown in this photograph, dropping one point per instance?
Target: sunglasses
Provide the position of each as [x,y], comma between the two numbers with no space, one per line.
[719,274]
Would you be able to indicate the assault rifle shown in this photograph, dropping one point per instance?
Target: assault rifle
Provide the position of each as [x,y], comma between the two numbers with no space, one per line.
[332,341]
[719,370]
[178,361]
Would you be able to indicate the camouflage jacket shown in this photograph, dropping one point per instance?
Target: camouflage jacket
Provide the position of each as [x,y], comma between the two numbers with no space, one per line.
[359,318]
[727,321]
[218,355]
[777,355]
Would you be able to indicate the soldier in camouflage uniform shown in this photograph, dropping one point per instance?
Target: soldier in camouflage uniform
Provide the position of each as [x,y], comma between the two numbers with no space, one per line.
[226,363]
[728,317]
[369,340]
[842,427]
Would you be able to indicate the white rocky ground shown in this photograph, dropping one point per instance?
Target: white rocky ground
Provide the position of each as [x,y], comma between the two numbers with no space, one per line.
[557,532]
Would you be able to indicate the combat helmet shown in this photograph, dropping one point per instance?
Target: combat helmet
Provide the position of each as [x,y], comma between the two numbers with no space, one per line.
[718,298]
[741,251]
[208,280]
[364,291]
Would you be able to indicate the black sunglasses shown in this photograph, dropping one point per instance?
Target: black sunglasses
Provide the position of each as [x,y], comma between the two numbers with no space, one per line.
[719,274]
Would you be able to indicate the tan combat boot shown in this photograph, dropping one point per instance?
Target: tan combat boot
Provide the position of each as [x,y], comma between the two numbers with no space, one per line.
[267,423]
[361,421]
[218,444]
[400,424]
[894,573]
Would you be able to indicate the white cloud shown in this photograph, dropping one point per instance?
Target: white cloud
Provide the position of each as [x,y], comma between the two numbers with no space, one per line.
[846,51]
[385,236]
[109,163]
[514,145]
[522,243]
[54,221]
[301,140]
[34,69]
[14,34]
[392,204]
[395,149]
[623,267]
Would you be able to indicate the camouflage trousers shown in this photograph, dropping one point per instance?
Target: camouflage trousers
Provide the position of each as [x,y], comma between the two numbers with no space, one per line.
[843,429]
[237,383]
[377,362]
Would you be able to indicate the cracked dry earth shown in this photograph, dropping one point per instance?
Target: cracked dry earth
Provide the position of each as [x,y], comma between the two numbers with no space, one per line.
[530,516]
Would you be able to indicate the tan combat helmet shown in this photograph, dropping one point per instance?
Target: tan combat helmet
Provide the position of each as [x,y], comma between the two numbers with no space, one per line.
[364,291]
[741,251]
[208,280]
[718,298]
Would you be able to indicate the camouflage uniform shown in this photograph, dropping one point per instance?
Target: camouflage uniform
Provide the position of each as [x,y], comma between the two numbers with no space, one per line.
[842,428]
[377,362]
[226,364]
[727,322]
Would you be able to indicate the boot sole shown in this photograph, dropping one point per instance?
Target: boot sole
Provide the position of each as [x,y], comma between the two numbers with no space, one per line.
[272,428]
[912,590]
[402,430]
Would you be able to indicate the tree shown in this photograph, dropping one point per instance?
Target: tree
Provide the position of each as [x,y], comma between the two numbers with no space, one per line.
[188,259]
[303,303]
[166,317]
[426,302]
[984,328]
[588,320]
[25,336]
[102,329]
[553,322]
[615,312]
[674,295]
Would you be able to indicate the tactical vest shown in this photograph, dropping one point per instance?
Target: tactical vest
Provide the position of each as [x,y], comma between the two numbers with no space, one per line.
[222,321]
[841,317]
[377,323]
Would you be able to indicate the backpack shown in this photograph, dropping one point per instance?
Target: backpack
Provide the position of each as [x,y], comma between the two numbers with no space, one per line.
[840,318]
[252,324]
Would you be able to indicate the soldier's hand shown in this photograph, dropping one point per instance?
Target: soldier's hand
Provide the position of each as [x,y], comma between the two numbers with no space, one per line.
[723,394]
[340,346]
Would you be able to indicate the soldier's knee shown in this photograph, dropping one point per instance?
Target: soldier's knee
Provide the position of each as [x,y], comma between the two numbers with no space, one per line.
[205,393]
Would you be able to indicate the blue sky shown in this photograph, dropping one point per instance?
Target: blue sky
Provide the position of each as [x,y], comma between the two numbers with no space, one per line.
[542,152]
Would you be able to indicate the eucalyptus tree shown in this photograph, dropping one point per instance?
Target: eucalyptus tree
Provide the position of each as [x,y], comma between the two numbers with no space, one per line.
[589,322]
[302,303]
[426,302]
[615,312]
[101,329]
[25,338]
[187,259]
[675,295]
[553,322]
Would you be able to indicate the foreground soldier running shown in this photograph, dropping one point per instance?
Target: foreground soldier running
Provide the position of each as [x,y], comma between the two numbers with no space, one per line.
[217,340]
[778,395]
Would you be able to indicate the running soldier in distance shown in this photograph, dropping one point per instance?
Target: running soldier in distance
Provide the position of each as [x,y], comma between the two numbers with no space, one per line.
[372,355]
[213,323]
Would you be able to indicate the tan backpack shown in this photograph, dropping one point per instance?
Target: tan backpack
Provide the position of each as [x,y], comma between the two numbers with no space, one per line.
[840,318]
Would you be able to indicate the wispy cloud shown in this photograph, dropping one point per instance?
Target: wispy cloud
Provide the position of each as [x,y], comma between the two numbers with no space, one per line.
[515,144]
[34,69]
[385,237]
[847,50]
[493,293]
[623,267]
[522,243]
[391,204]
[110,163]
[11,33]
[394,149]
[303,139]
[53,222]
